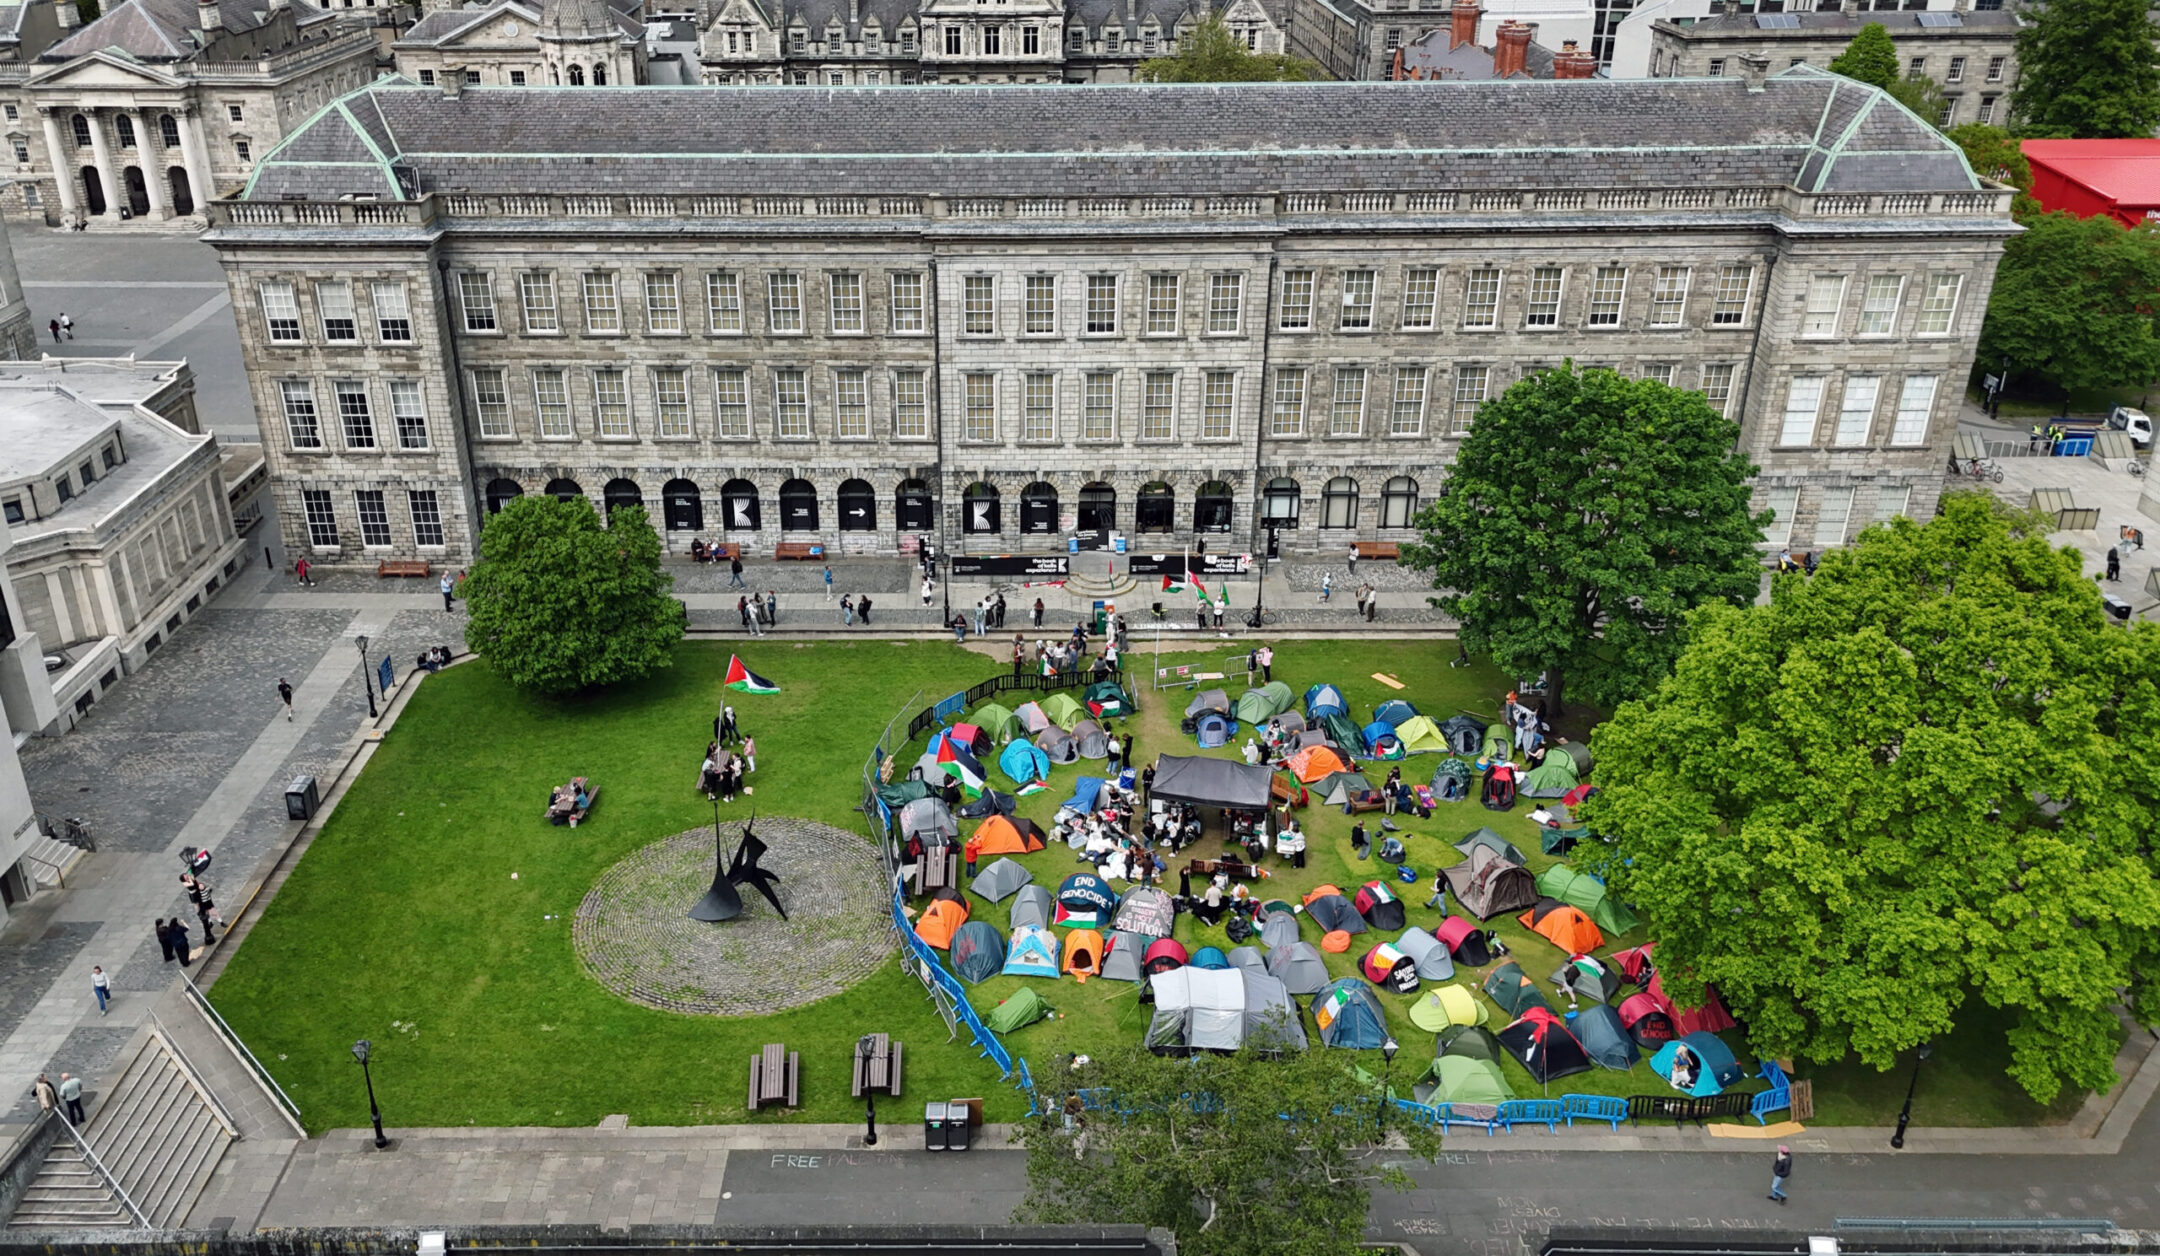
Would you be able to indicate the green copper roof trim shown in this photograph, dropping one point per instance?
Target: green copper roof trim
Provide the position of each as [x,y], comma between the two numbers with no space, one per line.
[380,164]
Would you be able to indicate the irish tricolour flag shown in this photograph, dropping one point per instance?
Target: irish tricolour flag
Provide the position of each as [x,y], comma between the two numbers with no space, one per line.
[743,680]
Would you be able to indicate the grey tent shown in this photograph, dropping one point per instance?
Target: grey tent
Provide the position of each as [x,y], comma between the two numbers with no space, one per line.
[1579,751]
[1197,1009]
[1001,880]
[926,769]
[1299,967]
[1248,959]
[1146,911]
[1589,980]
[978,953]
[1451,780]
[1465,734]
[1486,884]
[1309,737]
[927,816]
[1272,1019]
[1031,907]
[992,803]
[1333,912]
[1603,1039]
[1122,953]
[1337,788]
[1093,743]
[1217,700]
[1058,745]
[1493,842]
[1212,782]
[1279,930]
[1290,722]
[1432,958]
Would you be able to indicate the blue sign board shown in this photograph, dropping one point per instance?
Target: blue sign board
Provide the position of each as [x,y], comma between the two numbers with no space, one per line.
[384,676]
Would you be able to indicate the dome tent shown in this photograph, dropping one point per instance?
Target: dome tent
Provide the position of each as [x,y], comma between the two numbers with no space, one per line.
[1279,929]
[1086,892]
[1421,736]
[1007,835]
[1513,990]
[1058,745]
[1033,953]
[1063,710]
[1644,1017]
[1146,911]
[1323,700]
[1451,780]
[1248,959]
[1164,954]
[1031,718]
[977,951]
[1464,941]
[1083,954]
[1217,700]
[927,817]
[1092,741]
[1121,958]
[1563,926]
[1333,913]
[1428,953]
[1021,1008]
[1390,969]
[1541,1043]
[1381,741]
[1487,884]
[1603,1038]
[1256,706]
[1585,978]
[1299,967]
[991,803]
[1210,957]
[1272,1020]
[998,722]
[1022,762]
[940,920]
[1716,1071]
[1213,730]
[1031,906]
[1001,880]
[1443,1006]
[1349,1016]
[1394,712]
[1378,904]
[1464,733]
[1460,1080]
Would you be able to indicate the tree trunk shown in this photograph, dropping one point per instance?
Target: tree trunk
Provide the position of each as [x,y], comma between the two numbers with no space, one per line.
[1555,692]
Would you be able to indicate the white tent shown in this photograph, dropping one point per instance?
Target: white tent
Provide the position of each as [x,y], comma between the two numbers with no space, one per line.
[1272,1020]
[1205,1005]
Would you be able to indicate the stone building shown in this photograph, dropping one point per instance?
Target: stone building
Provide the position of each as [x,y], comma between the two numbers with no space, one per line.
[1358,39]
[18,337]
[850,317]
[527,43]
[1452,53]
[1972,56]
[26,702]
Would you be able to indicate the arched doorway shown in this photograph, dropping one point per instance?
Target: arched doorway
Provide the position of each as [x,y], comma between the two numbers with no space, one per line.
[1398,502]
[500,493]
[739,506]
[1157,508]
[1279,503]
[858,506]
[683,505]
[1038,509]
[1098,508]
[979,509]
[93,190]
[138,195]
[565,490]
[1338,503]
[913,511]
[620,493]
[1212,507]
[183,196]
[798,506]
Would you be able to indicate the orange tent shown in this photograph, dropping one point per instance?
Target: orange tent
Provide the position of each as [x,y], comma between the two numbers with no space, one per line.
[1083,954]
[1314,762]
[1564,926]
[939,921]
[999,835]
[1335,943]
[1320,891]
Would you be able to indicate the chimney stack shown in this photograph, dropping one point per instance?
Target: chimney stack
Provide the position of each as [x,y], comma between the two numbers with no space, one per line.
[1511,50]
[209,15]
[1573,63]
[452,81]
[854,13]
[1754,67]
[1463,19]
[66,15]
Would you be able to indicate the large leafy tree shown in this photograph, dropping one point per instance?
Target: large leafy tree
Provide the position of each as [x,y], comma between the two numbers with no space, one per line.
[2073,303]
[559,603]
[1870,57]
[1200,1147]
[1994,154]
[2087,69]
[1212,53]
[1585,515]
[1925,776]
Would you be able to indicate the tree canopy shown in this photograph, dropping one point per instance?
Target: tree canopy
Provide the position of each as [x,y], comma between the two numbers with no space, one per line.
[1585,515]
[1993,153]
[2087,69]
[559,603]
[2073,303]
[1923,776]
[1213,53]
[1199,1147]
[1870,57]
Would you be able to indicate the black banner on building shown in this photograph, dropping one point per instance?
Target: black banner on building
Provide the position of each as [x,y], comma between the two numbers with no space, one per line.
[1010,565]
[1203,564]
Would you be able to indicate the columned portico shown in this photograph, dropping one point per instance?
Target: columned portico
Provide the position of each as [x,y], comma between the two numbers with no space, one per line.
[109,182]
[194,153]
[62,167]
[148,153]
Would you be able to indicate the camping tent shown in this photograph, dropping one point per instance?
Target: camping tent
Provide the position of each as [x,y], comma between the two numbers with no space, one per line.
[1420,735]
[1086,892]
[1716,1070]
[1451,780]
[1031,907]
[1333,912]
[1349,1016]
[1299,967]
[1213,730]
[1496,748]
[1146,911]
[1464,941]
[1021,762]
[1021,1008]
[1442,1006]
[1121,958]
[1064,710]
[1582,890]
[1083,954]
[1555,840]
[1337,788]
[1007,835]
[957,762]
[1486,885]
[1511,988]
[998,721]
[1164,954]
[1208,700]
[1032,953]
[1057,745]
[1323,700]
[1001,880]
[977,951]
[1498,791]
[1197,1009]
[1580,753]
[1279,929]
[1104,697]
[992,803]
[1248,959]
[1469,1042]
[1563,926]
[1087,791]
[1711,1017]
[1378,904]
[1603,1038]
[1288,722]
[900,793]
[1464,733]
[925,817]
[1644,1017]
[1585,978]
[1493,842]
[1210,957]
[1254,706]
[1550,779]
[1344,733]
[1394,712]
[940,920]
[972,738]
[1294,742]
[1432,958]
[1459,1079]
[1211,782]
[1383,965]
[1093,742]
[1031,718]
[1314,762]
[1381,741]
[1541,1043]
[1272,1021]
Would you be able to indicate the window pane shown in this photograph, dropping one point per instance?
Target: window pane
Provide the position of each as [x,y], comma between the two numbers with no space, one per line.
[1226,304]
[1038,416]
[1470,383]
[354,415]
[1607,291]
[393,321]
[847,303]
[1803,404]
[1717,381]
[1481,298]
[723,302]
[1544,307]
[1297,290]
[731,392]
[1856,415]
[1940,305]
[663,303]
[537,292]
[1782,503]
[1407,418]
[1162,305]
[1101,417]
[783,302]
[1734,283]
[1825,294]
[336,303]
[979,305]
[602,314]
[791,404]
[1878,309]
[1289,413]
[911,405]
[551,397]
[1914,404]
[611,402]
[1041,312]
[1102,305]
[1158,407]
[302,423]
[1218,407]
[1668,300]
[1891,500]
[321,519]
[1347,416]
[492,402]
[1357,300]
[1421,294]
[409,413]
[281,312]
[907,302]
[671,400]
[1833,516]
[374,518]
[1660,372]
[851,404]
[981,406]
[426,516]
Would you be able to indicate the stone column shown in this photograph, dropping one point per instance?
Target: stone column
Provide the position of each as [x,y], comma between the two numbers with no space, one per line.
[195,155]
[63,165]
[149,150]
[108,174]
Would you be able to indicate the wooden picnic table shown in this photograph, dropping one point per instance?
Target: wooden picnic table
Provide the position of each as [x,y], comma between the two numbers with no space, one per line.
[774,1075]
[882,1071]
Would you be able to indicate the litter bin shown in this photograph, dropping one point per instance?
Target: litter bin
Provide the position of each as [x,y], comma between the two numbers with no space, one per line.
[1102,617]
[301,800]
[933,1126]
[2117,608]
[956,1126]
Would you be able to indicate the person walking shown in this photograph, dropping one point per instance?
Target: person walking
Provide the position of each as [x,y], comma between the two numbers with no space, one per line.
[183,950]
[1439,892]
[772,609]
[1038,612]
[301,570]
[448,585]
[55,325]
[2114,564]
[47,1097]
[1019,652]
[67,325]
[284,693]
[862,608]
[734,567]
[1267,665]
[926,590]
[100,985]
[1780,1170]
[1353,560]
[164,940]
[828,583]
[847,611]
[742,608]
[1327,585]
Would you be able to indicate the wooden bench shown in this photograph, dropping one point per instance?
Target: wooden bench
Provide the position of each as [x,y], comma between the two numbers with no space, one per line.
[938,868]
[576,814]
[720,552]
[774,1074]
[1377,549]
[1237,869]
[881,1072]
[402,567]
[798,551]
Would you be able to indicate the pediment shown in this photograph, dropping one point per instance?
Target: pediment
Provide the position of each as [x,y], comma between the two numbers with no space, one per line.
[512,25]
[99,70]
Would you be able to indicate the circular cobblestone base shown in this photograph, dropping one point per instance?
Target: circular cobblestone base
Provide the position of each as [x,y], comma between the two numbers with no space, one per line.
[634,935]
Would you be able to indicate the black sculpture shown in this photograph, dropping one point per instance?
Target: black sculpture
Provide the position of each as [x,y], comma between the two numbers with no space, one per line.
[721,902]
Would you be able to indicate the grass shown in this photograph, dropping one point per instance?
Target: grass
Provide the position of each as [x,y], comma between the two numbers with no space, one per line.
[1964,1083]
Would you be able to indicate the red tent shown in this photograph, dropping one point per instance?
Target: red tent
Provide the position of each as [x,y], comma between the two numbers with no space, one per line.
[1711,1017]
[1464,941]
[1164,955]
[1647,1019]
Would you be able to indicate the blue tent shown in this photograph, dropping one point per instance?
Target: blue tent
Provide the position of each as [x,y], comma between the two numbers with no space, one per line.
[1715,1071]
[1381,741]
[977,951]
[1214,730]
[1022,762]
[1349,1016]
[1394,711]
[1324,700]
[1034,953]
[1085,791]
[1210,957]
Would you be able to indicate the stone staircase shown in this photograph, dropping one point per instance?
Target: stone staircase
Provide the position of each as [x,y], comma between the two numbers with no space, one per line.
[157,1133]
[1099,586]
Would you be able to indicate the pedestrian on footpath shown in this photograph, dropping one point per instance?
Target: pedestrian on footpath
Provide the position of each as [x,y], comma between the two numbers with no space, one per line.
[71,1095]
[47,1097]
[67,325]
[55,325]
[101,985]
[772,609]
[164,941]
[448,584]
[1780,1170]
[847,610]
[182,951]
[1353,560]
[734,567]
[1327,585]
[2114,564]
[828,584]
[284,693]
[301,570]
[1372,606]
[1038,612]
[862,608]
[1019,652]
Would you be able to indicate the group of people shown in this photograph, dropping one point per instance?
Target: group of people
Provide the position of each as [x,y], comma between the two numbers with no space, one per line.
[757,616]
[1787,564]
[730,757]
[433,659]
[567,803]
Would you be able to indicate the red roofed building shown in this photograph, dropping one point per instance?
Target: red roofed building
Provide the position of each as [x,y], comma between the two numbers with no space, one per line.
[2088,178]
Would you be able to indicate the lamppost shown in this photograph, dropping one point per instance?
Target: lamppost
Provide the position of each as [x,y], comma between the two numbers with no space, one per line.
[367,682]
[1387,1065]
[863,1047]
[1904,1116]
[360,1051]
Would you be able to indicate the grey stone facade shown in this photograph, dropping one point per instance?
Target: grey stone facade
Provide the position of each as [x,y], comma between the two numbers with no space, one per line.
[1322,314]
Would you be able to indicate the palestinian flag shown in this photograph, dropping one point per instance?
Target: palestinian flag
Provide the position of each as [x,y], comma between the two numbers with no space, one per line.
[743,680]
[1175,584]
[954,760]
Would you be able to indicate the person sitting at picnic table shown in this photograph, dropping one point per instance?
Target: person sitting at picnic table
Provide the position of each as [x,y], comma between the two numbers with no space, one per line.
[567,803]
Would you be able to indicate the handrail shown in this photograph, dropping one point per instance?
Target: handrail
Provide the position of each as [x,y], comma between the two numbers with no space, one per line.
[232,1039]
[91,1158]
[193,1075]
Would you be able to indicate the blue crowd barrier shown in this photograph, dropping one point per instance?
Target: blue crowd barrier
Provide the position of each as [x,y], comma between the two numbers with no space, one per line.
[1546,1112]
[1609,1108]
[1776,1099]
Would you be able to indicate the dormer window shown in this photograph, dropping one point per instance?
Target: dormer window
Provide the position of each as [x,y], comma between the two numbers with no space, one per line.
[873,39]
[799,40]
[731,43]
[1077,38]
[907,41]
[1147,43]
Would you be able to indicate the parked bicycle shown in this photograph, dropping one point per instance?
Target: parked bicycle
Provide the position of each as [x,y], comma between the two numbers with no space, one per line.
[1979,469]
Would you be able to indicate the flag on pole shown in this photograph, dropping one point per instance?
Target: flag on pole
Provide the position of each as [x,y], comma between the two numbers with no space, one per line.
[743,680]
[1200,590]
[1174,584]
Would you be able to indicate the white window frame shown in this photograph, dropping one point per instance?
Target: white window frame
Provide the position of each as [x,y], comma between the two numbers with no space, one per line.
[424,509]
[663,303]
[1406,412]
[1421,298]
[792,419]
[845,297]
[612,419]
[907,303]
[1099,416]
[1717,386]
[281,311]
[536,295]
[723,303]
[1825,302]
[1164,300]
[1473,388]
[1358,300]
[1834,515]
[393,314]
[978,305]
[408,414]
[491,402]
[334,305]
[979,412]
[851,403]
[476,300]
[1218,406]
[1608,297]
[672,417]
[1286,414]
[1879,306]
[1856,410]
[1783,502]
[1294,310]
[783,303]
[1803,411]
[603,309]
[1736,288]
[1916,408]
[1668,296]
[1548,287]
[1102,306]
[1038,306]
[1481,298]
[1938,308]
[303,418]
[551,404]
[731,404]
[1226,303]
[372,512]
[356,414]
[1038,407]
[1346,402]
[1158,406]
[321,523]
[911,405]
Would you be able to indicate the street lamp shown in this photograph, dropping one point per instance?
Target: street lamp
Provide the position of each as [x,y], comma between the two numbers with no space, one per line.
[1387,1065]
[367,682]
[360,1052]
[863,1047]
[1904,1116]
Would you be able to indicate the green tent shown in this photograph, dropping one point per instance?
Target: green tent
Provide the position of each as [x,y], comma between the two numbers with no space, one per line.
[1550,779]
[1494,842]
[1420,735]
[997,722]
[1257,706]
[1347,736]
[1497,748]
[1513,990]
[1063,711]
[1558,841]
[1336,788]
[1587,894]
[1110,697]
[1471,1042]
[1454,1079]
[900,793]
[1024,1008]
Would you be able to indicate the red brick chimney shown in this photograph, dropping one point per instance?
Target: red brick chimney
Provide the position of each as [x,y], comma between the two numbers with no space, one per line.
[1574,63]
[1511,50]
[1463,18]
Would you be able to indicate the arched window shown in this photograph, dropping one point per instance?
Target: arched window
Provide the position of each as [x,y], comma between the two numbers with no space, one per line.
[1038,509]
[1338,503]
[979,509]
[739,506]
[798,506]
[599,76]
[621,493]
[564,490]
[577,76]
[1157,509]
[858,506]
[168,130]
[80,125]
[1279,503]
[913,510]
[1398,502]
[1212,507]
[124,130]
[501,493]
[1098,508]
[684,506]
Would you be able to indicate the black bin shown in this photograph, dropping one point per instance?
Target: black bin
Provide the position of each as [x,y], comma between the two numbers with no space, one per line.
[933,1127]
[301,800]
[957,1115]
[2116,607]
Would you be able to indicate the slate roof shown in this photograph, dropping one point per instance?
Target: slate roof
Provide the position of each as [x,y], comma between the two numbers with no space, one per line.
[166,30]
[445,25]
[1818,131]
[1841,25]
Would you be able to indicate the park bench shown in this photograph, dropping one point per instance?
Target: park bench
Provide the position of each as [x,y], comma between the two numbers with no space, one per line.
[1280,790]
[721,551]
[938,868]
[798,551]
[774,1074]
[1377,549]
[402,567]
[881,1072]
